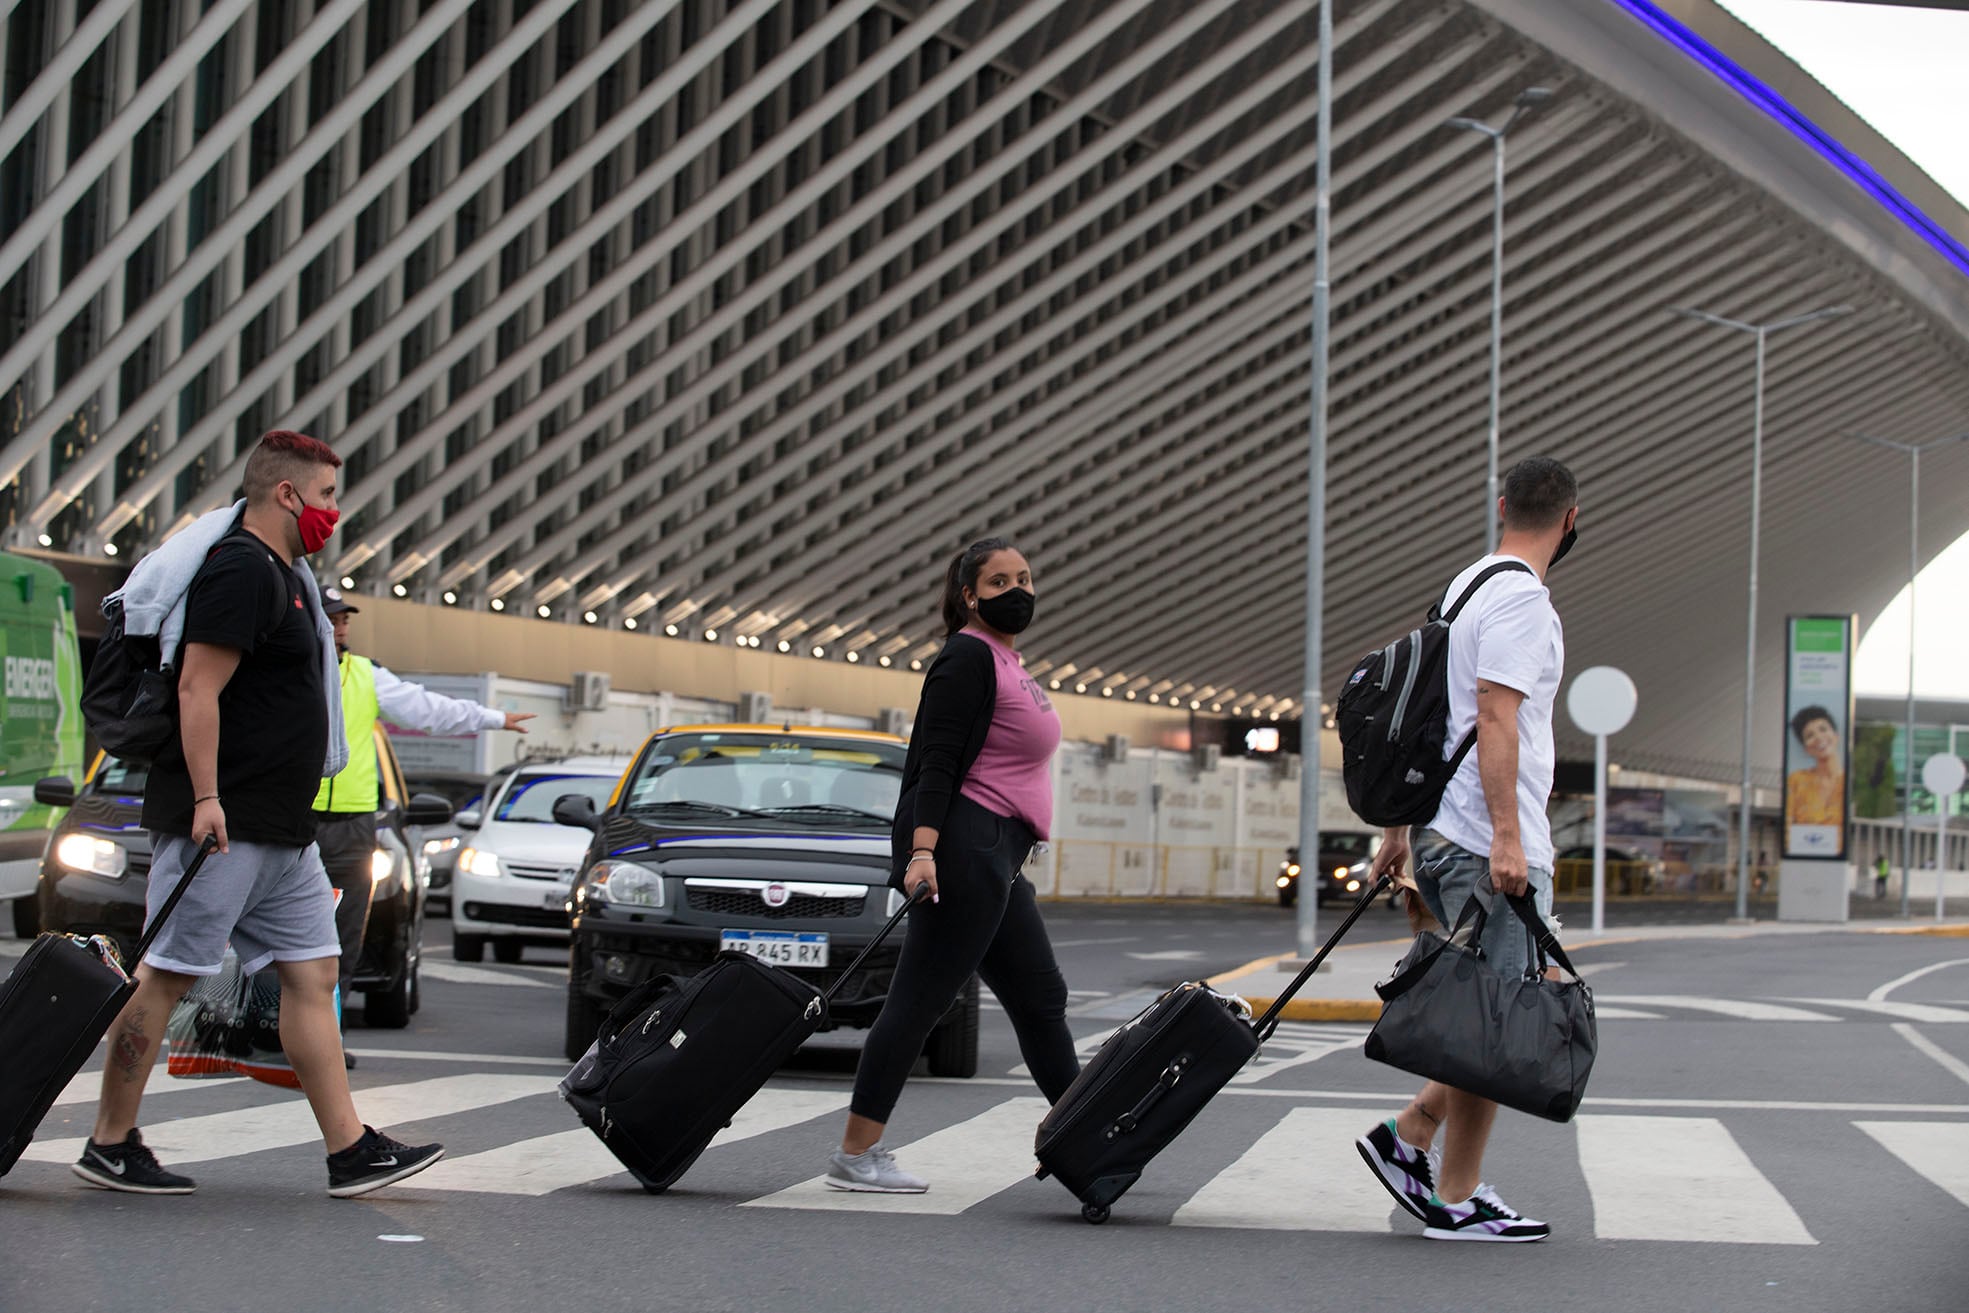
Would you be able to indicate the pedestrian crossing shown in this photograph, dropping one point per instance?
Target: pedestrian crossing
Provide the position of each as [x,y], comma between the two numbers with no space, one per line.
[1251,1164]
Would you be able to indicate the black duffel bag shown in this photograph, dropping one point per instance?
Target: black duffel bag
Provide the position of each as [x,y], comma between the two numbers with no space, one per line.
[1448,1015]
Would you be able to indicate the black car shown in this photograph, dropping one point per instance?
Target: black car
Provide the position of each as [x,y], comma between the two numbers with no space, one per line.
[97,865]
[763,840]
[1342,873]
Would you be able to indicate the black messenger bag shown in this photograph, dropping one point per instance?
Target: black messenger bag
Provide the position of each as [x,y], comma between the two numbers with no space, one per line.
[1450,1016]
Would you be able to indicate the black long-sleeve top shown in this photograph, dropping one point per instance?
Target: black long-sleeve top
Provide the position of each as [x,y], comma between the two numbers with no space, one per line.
[960,692]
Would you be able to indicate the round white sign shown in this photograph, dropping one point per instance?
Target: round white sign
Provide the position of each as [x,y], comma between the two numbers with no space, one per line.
[1601,700]
[1942,774]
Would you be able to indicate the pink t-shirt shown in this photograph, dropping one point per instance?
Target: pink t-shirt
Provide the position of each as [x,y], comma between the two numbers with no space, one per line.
[1011,775]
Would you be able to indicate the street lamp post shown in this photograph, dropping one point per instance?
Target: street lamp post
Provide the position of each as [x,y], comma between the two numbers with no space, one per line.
[1310,723]
[1913,450]
[1762,332]
[1527,98]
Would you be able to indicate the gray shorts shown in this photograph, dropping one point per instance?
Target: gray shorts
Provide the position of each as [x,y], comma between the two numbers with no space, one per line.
[271,901]
[1447,875]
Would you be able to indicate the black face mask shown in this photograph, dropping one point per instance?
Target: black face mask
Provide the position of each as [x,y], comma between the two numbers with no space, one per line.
[1565,545]
[1009,612]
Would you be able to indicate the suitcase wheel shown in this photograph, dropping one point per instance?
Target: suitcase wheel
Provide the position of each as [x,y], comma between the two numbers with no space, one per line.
[1094,1214]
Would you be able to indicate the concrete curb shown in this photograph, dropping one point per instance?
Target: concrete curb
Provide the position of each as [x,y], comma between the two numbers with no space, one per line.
[1957,931]
[1323,1009]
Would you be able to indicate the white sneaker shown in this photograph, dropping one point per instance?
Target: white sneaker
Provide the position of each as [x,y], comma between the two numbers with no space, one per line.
[1483,1216]
[873,1171]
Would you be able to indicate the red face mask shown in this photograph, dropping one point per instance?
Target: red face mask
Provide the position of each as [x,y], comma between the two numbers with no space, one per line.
[315,525]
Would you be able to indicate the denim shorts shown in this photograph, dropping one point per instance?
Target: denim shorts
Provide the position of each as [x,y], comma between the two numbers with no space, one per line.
[1447,876]
[271,901]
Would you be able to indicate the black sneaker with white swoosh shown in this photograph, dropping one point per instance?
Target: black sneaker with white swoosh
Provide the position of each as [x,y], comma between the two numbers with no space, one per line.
[375,1161]
[128,1167]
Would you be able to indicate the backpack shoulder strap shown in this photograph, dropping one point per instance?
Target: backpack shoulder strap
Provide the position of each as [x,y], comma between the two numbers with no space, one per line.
[1489,572]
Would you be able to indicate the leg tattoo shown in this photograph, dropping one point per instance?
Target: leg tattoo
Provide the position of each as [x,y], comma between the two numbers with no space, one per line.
[131,1052]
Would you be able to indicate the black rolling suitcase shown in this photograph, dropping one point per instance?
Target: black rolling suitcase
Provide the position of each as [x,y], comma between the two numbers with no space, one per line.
[676,1059]
[1151,1079]
[54,1010]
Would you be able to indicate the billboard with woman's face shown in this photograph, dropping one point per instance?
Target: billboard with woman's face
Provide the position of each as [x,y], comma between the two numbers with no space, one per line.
[1818,735]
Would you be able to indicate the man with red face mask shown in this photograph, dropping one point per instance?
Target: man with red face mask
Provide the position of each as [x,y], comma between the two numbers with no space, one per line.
[258,729]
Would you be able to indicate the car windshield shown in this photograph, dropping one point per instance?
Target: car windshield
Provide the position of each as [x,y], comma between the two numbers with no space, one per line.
[532,795]
[1352,846]
[798,780]
[121,777]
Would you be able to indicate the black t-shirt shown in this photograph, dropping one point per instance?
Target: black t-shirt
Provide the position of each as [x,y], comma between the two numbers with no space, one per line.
[273,719]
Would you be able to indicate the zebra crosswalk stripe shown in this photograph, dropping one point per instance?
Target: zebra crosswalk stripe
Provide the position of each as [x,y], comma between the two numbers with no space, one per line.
[289,1122]
[548,1163]
[1680,1178]
[966,1164]
[1937,1150]
[1743,1009]
[88,1087]
[1303,1175]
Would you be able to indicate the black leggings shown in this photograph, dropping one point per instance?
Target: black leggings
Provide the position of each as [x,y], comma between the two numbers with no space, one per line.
[985,921]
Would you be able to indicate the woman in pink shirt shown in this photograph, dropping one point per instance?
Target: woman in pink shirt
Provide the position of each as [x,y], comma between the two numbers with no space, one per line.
[977,794]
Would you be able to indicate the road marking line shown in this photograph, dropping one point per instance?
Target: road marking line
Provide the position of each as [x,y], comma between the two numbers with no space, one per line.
[1680,1178]
[480,1059]
[1937,1150]
[965,1164]
[1625,1014]
[87,1086]
[1880,995]
[288,1122]
[455,974]
[1905,1011]
[1302,1175]
[548,1163]
[1744,1009]
[1950,1063]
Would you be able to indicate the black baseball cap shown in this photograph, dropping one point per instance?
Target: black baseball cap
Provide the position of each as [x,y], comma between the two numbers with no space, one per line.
[333,603]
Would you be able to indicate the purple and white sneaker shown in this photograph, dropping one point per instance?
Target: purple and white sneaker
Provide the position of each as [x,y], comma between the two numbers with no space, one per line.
[1483,1216]
[1408,1173]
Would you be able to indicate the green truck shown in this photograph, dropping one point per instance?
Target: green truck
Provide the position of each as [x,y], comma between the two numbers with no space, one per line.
[40,721]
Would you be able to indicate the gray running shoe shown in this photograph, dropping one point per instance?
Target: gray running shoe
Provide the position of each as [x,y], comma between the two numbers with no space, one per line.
[871,1172]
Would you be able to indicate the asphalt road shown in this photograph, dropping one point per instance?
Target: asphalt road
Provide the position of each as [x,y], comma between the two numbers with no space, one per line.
[1775,1123]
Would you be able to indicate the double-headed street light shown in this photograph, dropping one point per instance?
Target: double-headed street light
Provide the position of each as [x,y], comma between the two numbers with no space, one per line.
[1762,331]
[1527,98]
[1913,450]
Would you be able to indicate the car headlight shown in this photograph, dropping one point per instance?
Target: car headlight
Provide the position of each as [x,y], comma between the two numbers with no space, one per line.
[1292,868]
[1339,872]
[432,847]
[381,863]
[1284,881]
[476,861]
[85,852]
[624,882]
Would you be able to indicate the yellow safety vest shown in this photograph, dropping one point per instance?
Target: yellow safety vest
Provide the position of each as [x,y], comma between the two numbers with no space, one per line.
[356,788]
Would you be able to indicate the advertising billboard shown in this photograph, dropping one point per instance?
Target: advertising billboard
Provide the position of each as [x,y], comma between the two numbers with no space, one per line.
[1818,735]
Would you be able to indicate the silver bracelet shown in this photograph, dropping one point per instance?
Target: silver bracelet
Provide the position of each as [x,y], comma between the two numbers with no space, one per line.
[919,857]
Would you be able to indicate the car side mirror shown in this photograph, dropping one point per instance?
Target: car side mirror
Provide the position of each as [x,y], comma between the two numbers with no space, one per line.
[577,810]
[55,791]
[427,809]
[468,820]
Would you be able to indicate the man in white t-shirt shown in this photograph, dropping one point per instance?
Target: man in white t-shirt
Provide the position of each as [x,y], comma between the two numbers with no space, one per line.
[1506,655]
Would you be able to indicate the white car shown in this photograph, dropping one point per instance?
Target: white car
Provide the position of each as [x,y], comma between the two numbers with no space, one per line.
[513,872]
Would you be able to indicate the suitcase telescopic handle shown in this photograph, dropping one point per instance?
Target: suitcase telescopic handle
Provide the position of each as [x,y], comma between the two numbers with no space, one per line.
[876,942]
[205,849]
[1265,1025]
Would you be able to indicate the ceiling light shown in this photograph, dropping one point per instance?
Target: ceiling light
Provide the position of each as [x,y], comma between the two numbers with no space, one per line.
[883,662]
[1080,688]
[590,617]
[1107,692]
[1216,706]
[544,611]
[348,582]
[109,549]
[710,635]
[628,622]
[1155,699]
[1195,705]
[46,541]
[1056,683]
[785,646]
[670,630]
[1275,715]
[499,604]
[1130,695]
[819,652]
[854,658]
[400,590]
[450,598]
[915,664]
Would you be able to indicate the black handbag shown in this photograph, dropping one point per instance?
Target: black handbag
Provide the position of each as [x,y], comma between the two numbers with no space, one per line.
[1448,1015]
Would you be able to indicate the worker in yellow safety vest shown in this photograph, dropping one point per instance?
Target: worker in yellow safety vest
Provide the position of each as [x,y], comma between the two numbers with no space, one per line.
[345,809]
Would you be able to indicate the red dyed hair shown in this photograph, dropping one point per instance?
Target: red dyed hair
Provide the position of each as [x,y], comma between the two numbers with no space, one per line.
[284,456]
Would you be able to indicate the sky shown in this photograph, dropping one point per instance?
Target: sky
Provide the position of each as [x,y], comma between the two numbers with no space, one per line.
[1903,71]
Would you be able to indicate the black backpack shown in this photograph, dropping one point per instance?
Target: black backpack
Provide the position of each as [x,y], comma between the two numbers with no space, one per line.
[130,696]
[1393,717]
